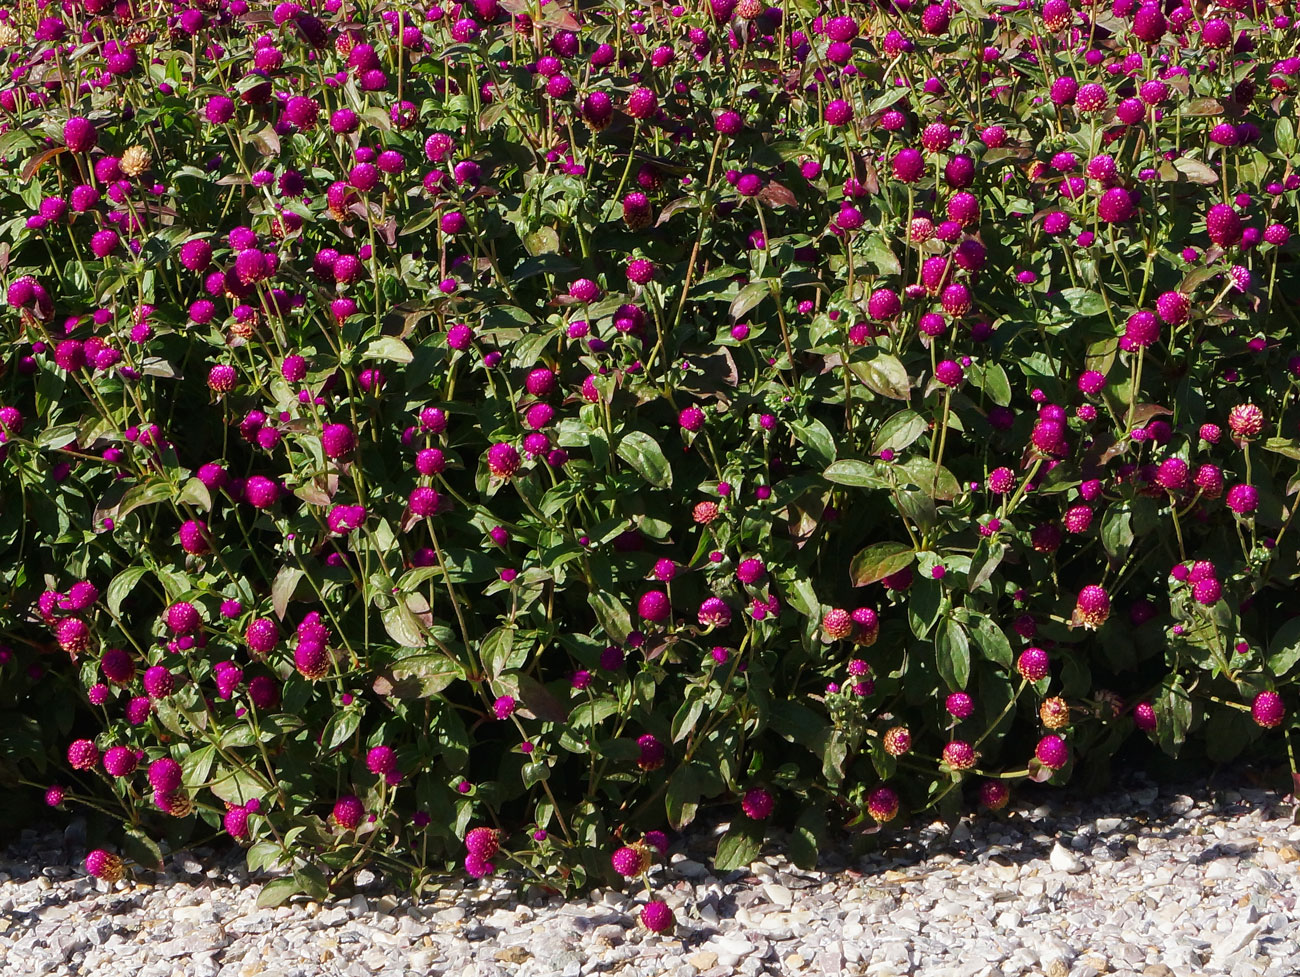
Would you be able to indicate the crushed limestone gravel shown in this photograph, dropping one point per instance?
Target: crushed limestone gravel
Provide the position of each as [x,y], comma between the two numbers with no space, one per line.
[1144,882]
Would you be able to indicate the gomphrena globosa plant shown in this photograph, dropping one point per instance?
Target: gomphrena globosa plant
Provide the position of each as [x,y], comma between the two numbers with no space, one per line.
[453,437]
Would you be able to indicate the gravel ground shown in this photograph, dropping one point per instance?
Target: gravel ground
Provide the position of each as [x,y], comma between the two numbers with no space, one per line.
[1151,881]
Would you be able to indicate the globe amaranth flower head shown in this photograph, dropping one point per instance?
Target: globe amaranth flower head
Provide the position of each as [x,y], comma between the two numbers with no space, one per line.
[1246,420]
[714,612]
[503,460]
[883,804]
[1243,499]
[1092,607]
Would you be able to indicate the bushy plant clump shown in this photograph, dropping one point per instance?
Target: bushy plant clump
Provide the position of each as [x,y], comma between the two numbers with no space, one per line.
[470,435]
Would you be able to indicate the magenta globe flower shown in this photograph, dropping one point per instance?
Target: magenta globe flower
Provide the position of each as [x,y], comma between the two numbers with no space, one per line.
[714,612]
[654,606]
[503,460]
[758,803]
[1242,499]
[1052,752]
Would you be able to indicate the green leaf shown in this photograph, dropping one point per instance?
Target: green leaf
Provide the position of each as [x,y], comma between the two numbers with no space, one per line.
[952,654]
[389,348]
[239,735]
[739,846]
[924,606]
[1196,171]
[611,614]
[313,881]
[544,240]
[277,892]
[1283,446]
[282,588]
[984,563]
[992,379]
[886,765]
[1173,718]
[340,728]
[1083,302]
[262,855]
[527,350]
[539,700]
[817,438]
[122,585]
[420,223]
[934,480]
[1227,733]
[687,715]
[195,493]
[807,837]
[682,797]
[677,206]
[899,431]
[879,254]
[1284,134]
[850,471]
[884,375]
[236,785]
[403,626]
[174,584]
[170,717]
[1284,648]
[878,561]
[142,849]
[59,436]
[992,641]
[499,654]
[833,758]
[589,714]
[146,493]
[803,597]
[1117,533]
[750,296]
[799,723]
[421,675]
[643,453]
[1101,355]
[534,773]
[1062,478]
[197,765]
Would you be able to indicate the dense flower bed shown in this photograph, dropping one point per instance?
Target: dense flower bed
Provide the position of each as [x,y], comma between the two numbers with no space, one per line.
[494,433]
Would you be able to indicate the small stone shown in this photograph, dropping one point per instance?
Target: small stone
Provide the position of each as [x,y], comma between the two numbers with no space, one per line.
[703,960]
[795,962]
[779,894]
[731,944]
[512,954]
[1220,869]
[1287,854]
[1032,888]
[1003,871]
[1064,860]
[689,868]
